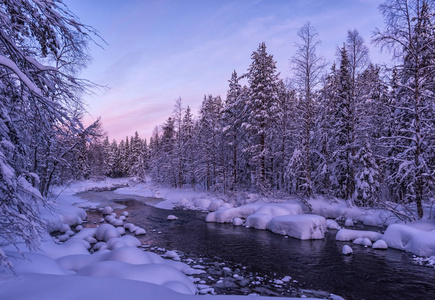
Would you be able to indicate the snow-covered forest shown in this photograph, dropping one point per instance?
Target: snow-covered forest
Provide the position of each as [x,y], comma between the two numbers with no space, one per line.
[353,130]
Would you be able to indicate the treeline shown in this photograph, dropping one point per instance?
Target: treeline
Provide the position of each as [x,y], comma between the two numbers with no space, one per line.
[360,132]
[99,158]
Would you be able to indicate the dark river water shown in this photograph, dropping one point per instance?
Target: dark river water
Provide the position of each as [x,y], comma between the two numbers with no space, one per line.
[316,264]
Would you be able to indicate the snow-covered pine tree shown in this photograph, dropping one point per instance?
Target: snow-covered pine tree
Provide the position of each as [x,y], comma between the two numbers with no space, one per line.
[233,117]
[107,157]
[295,172]
[114,159]
[166,161]
[366,178]
[324,135]
[262,109]
[209,166]
[409,33]
[343,167]
[188,147]
[137,167]
[285,135]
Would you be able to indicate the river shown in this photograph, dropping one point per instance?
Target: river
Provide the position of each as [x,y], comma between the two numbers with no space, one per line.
[315,265]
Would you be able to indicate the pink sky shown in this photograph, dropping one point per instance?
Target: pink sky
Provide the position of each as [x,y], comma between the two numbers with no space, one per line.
[160,50]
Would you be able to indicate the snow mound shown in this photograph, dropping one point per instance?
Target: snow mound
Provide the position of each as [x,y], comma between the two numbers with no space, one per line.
[345,235]
[106,232]
[237,222]
[380,244]
[264,214]
[107,210]
[332,224]
[124,241]
[227,215]
[258,220]
[202,204]
[410,239]
[134,256]
[31,262]
[160,274]
[172,254]
[302,227]
[139,231]
[347,250]
[349,222]
[362,241]
[215,205]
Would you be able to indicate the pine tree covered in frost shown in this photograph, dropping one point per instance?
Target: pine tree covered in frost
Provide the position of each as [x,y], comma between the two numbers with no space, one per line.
[344,131]
[367,177]
[263,108]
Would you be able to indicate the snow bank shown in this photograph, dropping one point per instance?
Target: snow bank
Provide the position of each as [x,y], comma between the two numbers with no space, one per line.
[160,274]
[410,239]
[227,215]
[339,209]
[345,235]
[264,214]
[52,287]
[304,227]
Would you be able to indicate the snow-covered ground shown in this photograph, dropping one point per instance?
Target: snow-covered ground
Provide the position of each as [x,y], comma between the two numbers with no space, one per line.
[64,268]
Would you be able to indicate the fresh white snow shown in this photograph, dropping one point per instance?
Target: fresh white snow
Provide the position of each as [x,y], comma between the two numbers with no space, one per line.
[67,270]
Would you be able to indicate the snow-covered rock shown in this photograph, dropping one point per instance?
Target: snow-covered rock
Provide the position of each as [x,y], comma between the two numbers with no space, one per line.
[121,230]
[237,222]
[124,241]
[107,210]
[140,231]
[349,222]
[258,221]
[117,222]
[332,224]
[214,205]
[172,218]
[106,232]
[264,214]
[410,239]
[202,204]
[172,254]
[347,250]
[302,227]
[227,215]
[345,235]
[380,244]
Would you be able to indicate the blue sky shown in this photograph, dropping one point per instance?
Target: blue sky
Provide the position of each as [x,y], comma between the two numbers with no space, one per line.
[159,50]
